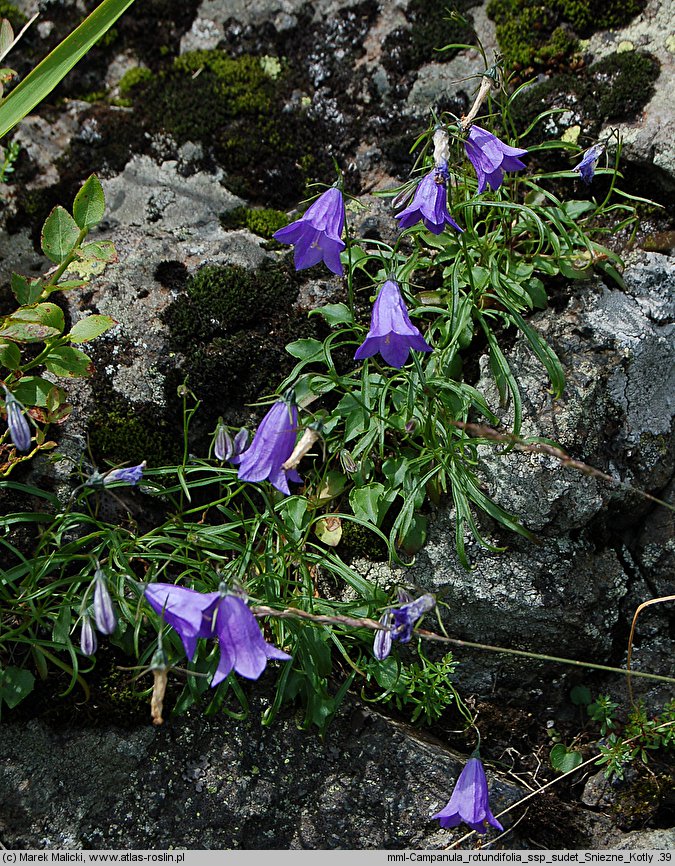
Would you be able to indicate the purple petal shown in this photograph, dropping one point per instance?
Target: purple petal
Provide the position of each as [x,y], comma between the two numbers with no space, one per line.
[185,610]
[272,445]
[241,641]
[469,800]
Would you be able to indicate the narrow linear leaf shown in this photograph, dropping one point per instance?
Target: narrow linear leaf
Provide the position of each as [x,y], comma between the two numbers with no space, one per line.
[47,74]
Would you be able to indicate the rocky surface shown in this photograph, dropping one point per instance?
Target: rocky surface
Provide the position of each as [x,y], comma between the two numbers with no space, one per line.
[214,783]
[602,548]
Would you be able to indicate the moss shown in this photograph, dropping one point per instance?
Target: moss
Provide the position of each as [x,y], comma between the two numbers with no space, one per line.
[260,221]
[232,326]
[533,35]
[121,433]
[616,88]
[620,85]
[132,78]
[432,26]
[240,114]
[15,17]
[223,300]
[359,542]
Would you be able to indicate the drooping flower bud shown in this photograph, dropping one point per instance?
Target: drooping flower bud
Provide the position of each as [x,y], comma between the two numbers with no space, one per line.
[104,615]
[222,447]
[88,642]
[19,429]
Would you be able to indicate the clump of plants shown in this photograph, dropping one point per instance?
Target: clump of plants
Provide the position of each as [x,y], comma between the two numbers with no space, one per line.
[374,424]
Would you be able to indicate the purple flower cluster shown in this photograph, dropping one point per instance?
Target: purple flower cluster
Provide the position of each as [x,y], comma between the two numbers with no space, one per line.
[272,445]
[19,431]
[104,615]
[216,615]
[587,166]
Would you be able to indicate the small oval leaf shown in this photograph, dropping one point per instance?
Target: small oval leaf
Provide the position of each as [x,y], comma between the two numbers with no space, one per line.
[89,204]
[59,235]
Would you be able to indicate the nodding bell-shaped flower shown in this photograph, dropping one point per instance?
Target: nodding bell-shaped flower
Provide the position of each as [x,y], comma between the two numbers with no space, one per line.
[490,157]
[215,615]
[104,615]
[588,164]
[128,474]
[317,235]
[469,801]
[400,622]
[391,333]
[271,447]
[19,430]
[88,642]
[430,203]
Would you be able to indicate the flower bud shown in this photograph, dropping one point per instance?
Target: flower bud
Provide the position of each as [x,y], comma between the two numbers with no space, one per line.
[88,642]
[19,429]
[104,615]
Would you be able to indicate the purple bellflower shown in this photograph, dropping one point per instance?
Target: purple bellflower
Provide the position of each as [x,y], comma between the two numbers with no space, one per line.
[104,615]
[317,234]
[391,333]
[215,615]
[587,166]
[490,157]
[400,622]
[469,801]
[430,203]
[272,445]
[128,474]
[19,429]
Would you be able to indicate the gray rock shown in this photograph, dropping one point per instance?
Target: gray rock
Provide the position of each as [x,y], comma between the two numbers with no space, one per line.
[216,783]
[648,140]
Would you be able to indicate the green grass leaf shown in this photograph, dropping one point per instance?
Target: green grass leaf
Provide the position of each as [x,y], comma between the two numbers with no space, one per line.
[47,74]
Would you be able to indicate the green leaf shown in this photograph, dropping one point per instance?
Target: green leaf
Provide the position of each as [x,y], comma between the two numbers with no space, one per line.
[6,37]
[581,696]
[15,685]
[90,327]
[47,74]
[370,502]
[10,355]
[33,391]
[334,314]
[564,759]
[574,208]
[306,349]
[26,291]
[61,627]
[59,234]
[537,292]
[66,361]
[32,324]
[89,204]
[329,530]
[92,258]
